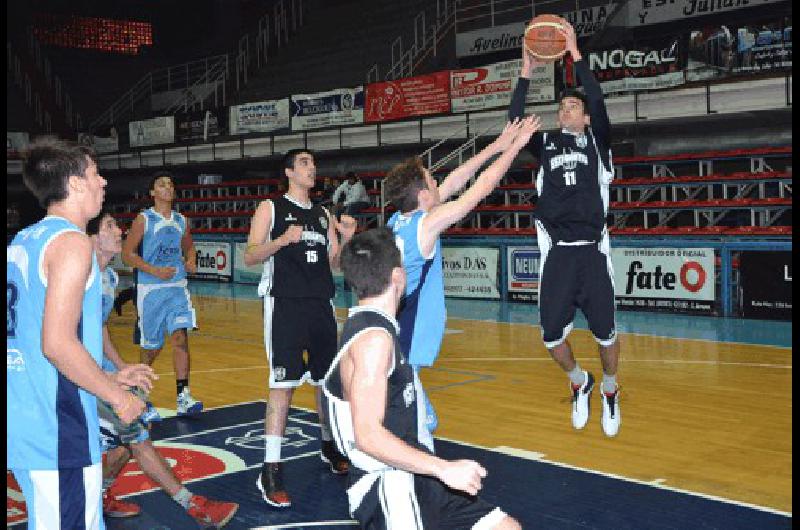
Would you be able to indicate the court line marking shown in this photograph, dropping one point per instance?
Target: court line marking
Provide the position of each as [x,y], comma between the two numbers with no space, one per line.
[621,333]
[511,451]
[668,361]
[516,359]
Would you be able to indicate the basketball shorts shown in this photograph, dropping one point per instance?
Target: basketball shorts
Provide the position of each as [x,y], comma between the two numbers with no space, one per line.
[398,499]
[162,310]
[114,433]
[576,277]
[293,326]
[63,498]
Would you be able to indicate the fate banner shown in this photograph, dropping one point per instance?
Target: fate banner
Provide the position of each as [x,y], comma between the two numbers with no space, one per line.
[404,98]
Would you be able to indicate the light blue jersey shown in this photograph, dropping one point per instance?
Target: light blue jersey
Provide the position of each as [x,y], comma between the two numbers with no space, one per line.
[51,423]
[161,245]
[422,315]
[110,282]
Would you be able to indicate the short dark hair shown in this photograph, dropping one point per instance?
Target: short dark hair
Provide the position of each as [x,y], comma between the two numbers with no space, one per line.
[291,154]
[47,164]
[404,182]
[351,175]
[157,175]
[93,226]
[577,94]
[368,260]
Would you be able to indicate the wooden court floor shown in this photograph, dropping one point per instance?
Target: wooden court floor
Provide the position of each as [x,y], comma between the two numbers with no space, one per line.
[708,417]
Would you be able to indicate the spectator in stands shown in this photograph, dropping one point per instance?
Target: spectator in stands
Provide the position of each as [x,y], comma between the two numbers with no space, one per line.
[575,271]
[355,196]
[423,214]
[325,192]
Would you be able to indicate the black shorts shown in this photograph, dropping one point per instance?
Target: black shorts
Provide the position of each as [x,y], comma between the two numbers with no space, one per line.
[576,277]
[403,500]
[295,325]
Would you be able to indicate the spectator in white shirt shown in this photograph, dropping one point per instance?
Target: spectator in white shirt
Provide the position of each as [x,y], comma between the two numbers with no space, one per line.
[355,196]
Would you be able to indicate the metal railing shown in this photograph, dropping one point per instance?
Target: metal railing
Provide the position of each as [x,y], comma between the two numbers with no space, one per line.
[426,39]
[208,75]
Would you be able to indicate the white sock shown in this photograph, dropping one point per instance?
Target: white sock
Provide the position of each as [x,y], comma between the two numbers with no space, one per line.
[183,497]
[272,448]
[609,383]
[576,375]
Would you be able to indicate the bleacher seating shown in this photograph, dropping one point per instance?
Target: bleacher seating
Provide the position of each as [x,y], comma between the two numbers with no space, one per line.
[696,205]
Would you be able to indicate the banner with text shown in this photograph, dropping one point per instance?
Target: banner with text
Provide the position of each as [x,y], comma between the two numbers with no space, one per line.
[668,279]
[644,12]
[719,51]
[154,131]
[471,272]
[509,36]
[245,273]
[213,260]
[492,86]
[260,116]
[523,274]
[343,106]
[621,69]
[411,96]
[766,284]
[198,125]
[100,144]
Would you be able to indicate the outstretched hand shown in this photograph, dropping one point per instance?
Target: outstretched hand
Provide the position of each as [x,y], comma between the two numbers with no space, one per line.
[568,32]
[506,138]
[528,127]
[529,62]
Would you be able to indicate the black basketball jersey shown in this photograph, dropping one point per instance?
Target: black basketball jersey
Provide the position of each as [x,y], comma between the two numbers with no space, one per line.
[573,186]
[298,270]
[400,417]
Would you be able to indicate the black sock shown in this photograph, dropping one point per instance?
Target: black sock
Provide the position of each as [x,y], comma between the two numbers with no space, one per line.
[182,383]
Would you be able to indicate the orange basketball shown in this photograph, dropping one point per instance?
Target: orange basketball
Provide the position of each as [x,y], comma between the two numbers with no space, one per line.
[543,39]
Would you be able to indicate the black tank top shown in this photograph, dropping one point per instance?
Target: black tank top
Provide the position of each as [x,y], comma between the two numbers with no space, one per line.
[300,270]
[400,417]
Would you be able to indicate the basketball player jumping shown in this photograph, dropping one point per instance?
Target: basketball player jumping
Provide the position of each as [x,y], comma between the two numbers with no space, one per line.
[575,269]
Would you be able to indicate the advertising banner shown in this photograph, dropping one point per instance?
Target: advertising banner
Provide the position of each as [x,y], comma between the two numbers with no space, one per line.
[100,144]
[621,69]
[199,125]
[412,96]
[154,131]
[243,273]
[509,36]
[523,274]
[644,12]
[491,86]
[213,260]
[471,272]
[720,51]
[669,279]
[260,116]
[766,284]
[342,106]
